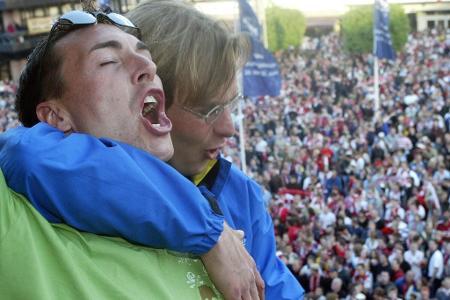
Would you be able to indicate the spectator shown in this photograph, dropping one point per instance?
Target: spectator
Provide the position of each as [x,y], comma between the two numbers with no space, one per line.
[443,293]
[435,268]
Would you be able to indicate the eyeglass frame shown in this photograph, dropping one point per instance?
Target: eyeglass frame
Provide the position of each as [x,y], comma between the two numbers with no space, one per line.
[220,108]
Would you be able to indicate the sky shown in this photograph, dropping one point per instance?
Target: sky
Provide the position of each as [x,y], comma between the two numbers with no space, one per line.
[311,7]
[317,5]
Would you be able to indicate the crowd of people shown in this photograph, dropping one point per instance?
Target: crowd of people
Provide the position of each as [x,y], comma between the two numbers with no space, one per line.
[360,205]
[8,116]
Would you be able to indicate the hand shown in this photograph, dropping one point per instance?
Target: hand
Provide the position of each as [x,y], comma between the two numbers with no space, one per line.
[232,269]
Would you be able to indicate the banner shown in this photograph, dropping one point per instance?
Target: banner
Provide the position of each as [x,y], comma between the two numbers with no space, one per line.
[382,45]
[261,74]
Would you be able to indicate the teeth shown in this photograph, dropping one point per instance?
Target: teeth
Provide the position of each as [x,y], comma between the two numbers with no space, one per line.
[150,104]
[156,125]
[150,99]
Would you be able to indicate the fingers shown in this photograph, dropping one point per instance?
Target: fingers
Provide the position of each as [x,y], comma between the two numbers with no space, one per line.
[232,269]
[257,287]
[254,292]
[247,296]
[240,234]
[260,285]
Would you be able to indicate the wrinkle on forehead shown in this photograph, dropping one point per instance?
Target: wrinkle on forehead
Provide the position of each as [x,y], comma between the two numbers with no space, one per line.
[85,38]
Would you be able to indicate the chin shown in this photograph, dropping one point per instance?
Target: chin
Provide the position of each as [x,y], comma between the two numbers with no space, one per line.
[199,167]
[167,154]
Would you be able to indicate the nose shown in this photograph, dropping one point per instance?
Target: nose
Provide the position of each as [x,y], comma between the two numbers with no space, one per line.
[144,69]
[224,125]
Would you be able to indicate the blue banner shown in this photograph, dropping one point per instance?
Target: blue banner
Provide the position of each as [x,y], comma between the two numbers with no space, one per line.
[382,44]
[261,73]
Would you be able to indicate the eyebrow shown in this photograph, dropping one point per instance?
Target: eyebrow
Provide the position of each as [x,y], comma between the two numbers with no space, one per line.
[107,44]
[142,46]
[117,45]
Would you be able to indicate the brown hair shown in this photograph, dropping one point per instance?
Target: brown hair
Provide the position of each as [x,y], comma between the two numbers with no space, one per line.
[40,80]
[197,57]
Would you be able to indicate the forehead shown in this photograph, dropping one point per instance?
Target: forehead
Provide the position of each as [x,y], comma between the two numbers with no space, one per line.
[222,96]
[80,41]
[225,94]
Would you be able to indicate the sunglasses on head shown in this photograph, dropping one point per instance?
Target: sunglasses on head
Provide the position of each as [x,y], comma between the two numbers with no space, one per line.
[76,19]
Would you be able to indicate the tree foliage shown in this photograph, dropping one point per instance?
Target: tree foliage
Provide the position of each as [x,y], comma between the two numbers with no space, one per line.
[357,28]
[399,26]
[285,27]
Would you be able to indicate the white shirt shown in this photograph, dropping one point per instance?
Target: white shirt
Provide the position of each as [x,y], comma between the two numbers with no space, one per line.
[414,259]
[327,219]
[261,146]
[436,261]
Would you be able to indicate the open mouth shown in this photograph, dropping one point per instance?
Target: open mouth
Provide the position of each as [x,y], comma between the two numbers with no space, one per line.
[150,111]
[212,153]
[153,112]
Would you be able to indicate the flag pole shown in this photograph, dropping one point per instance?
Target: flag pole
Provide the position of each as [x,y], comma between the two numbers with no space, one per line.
[376,86]
[242,138]
[376,80]
[240,114]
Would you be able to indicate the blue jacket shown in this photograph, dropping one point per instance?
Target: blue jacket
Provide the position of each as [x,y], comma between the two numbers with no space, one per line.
[109,188]
[122,191]
[241,202]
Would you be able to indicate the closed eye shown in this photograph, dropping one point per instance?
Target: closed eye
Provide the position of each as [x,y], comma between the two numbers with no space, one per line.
[107,63]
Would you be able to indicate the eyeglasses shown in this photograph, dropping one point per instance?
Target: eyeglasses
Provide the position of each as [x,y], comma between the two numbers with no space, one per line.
[75,19]
[212,115]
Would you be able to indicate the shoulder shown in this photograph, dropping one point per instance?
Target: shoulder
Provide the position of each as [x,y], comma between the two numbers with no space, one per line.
[9,210]
[238,177]
[16,145]
[26,141]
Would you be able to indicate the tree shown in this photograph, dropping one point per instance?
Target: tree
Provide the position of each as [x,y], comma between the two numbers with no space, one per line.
[399,26]
[357,28]
[285,27]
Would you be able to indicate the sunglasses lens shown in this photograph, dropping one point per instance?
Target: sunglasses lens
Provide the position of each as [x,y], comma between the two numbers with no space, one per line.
[79,18]
[75,19]
[120,20]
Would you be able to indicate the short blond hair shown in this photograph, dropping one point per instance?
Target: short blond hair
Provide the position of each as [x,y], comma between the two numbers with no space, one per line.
[197,57]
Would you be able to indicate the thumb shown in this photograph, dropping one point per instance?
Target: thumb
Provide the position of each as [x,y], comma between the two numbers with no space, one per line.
[240,234]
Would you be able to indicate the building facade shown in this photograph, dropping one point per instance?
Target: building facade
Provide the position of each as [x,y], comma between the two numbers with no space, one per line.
[24,22]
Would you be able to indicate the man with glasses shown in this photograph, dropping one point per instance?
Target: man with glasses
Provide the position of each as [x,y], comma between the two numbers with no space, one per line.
[198,59]
[94,108]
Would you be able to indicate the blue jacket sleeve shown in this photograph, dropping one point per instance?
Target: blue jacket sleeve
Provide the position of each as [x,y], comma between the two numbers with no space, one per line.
[242,203]
[109,188]
[280,283]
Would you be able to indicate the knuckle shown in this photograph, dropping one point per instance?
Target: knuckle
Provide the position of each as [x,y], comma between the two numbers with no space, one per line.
[235,291]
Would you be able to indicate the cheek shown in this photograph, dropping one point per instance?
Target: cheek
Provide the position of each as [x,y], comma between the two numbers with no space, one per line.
[187,129]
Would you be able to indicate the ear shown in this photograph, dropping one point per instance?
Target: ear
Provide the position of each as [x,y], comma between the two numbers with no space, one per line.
[53,113]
